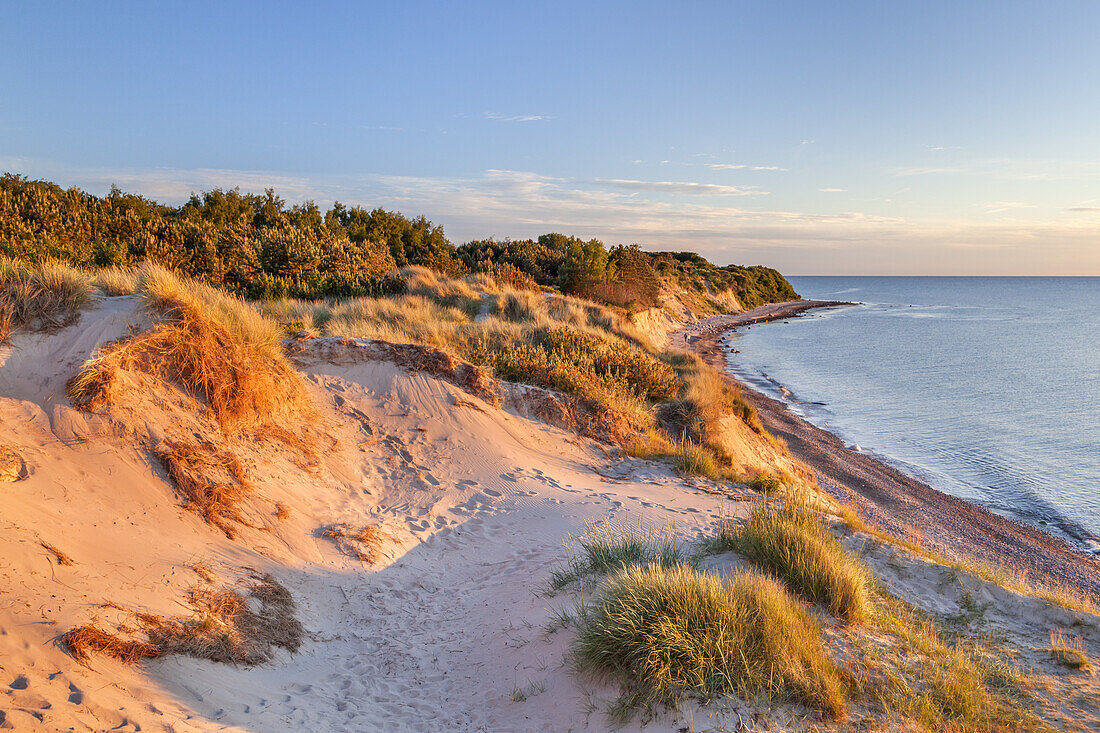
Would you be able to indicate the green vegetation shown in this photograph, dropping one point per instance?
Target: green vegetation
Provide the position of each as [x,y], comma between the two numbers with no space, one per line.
[752,286]
[787,538]
[663,632]
[258,247]
[606,548]
[655,623]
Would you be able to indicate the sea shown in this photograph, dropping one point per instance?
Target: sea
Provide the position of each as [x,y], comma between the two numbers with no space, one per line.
[987,388]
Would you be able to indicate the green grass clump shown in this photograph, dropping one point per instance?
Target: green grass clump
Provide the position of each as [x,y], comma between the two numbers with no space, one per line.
[696,460]
[607,548]
[586,363]
[665,632]
[788,539]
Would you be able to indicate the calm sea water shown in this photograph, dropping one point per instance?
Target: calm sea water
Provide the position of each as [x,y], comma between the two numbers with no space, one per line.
[986,388]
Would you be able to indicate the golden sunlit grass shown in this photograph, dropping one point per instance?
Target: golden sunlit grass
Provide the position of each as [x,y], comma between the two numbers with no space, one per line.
[570,345]
[941,685]
[787,538]
[1008,578]
[665,632]
[213,345]
[905,667]
[1072,652]
[45,296]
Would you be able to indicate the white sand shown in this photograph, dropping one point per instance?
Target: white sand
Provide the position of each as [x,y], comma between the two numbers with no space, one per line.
[438,637]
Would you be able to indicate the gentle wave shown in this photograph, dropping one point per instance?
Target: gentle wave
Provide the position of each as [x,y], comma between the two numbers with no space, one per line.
[982,387]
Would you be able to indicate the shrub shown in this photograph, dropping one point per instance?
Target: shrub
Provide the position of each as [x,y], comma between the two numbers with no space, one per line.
[663,632]
[789,540]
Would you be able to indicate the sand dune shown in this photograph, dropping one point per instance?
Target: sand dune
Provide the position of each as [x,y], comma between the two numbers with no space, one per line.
[447,631]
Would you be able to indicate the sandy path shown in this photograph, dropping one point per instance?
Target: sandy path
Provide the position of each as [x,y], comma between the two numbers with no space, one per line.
[884,496]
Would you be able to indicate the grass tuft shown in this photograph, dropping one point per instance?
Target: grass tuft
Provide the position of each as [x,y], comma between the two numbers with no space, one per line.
[43,297]
[606,548]
[788,539]
[666,632]
[213,345]
[696,460]
[1070,652]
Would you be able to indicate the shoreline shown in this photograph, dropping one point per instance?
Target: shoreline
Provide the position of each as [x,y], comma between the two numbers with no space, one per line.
[884,496]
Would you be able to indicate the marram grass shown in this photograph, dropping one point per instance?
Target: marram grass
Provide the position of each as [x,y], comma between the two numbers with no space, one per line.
[787,538]
[665,632]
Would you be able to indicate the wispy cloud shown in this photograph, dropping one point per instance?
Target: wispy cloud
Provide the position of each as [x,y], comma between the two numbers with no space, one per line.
[524,203]
[832,190]
[927,171]
[688,188]
[996,207]
[1007,169]
[740,166]
[516,118]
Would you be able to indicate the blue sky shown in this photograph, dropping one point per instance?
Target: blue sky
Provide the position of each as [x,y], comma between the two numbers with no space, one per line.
[825,137]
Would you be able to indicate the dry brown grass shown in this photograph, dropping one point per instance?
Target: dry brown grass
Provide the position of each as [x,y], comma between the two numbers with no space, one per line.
[362,542]
[46,296]
[61,556]
[204,570]
[213,345]
[87,640]
[222,628]
[282,511]
[1072,652]
[211,480]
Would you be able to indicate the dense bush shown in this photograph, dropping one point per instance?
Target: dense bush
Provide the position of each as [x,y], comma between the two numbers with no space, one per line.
[257,246]
[250,244]
[753,286]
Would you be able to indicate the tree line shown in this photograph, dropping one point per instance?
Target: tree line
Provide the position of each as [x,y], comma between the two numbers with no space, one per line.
[258,246]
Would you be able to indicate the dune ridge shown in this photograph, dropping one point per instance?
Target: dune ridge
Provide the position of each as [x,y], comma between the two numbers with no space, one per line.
[416,541]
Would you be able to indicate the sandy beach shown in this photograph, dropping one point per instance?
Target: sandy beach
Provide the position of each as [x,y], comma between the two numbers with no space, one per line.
[886,497]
